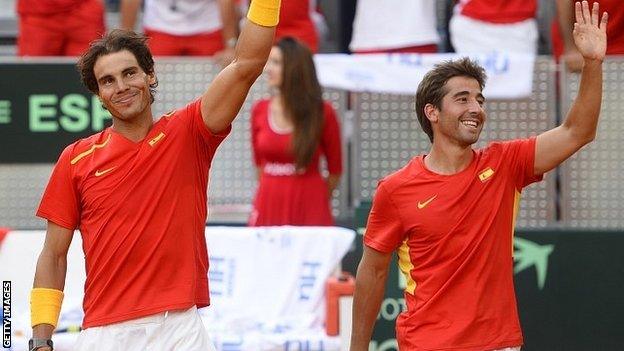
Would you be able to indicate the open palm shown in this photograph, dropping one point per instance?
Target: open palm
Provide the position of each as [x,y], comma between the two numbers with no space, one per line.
[590,32]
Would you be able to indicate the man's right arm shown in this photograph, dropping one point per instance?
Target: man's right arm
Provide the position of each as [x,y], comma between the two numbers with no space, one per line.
[224,97]
[51,269]
[370,285]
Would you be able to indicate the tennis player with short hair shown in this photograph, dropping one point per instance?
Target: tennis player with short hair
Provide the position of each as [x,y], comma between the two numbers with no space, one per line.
[137,193]
[450,214]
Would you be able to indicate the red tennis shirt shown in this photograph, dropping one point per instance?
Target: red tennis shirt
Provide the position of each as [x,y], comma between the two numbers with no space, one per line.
[453,235]
[141,209]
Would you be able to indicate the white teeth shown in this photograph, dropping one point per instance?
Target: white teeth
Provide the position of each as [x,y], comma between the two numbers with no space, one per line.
[470,123]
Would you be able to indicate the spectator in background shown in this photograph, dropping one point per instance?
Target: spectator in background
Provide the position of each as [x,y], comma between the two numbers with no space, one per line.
[186,27]
[289,132]
[488,25]
[299,19]
[58,27]
[395,26]
[563,45]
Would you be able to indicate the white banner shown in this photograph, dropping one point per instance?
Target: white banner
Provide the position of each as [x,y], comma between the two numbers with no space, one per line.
[267,286]
[510,76]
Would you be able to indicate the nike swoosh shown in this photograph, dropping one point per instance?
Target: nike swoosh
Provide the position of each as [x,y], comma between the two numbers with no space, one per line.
[99,173]
[422,205]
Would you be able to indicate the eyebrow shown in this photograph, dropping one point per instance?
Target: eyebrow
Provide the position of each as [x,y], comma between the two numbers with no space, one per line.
[466,92]
[126,70]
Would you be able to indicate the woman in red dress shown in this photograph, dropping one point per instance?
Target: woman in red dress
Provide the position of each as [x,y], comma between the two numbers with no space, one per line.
[290,132]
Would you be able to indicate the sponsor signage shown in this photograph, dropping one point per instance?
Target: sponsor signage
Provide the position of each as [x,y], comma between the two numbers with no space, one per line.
[43,108]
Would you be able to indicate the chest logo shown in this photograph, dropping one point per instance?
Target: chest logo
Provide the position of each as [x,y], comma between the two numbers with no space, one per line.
[156,139]
[422,205]
[486,174]
[103,172]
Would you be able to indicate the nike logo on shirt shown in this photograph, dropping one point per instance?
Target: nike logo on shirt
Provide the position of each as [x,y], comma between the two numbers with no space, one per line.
[100,173]
[422,205]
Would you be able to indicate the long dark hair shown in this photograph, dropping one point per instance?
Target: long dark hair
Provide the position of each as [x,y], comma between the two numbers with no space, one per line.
[302,97]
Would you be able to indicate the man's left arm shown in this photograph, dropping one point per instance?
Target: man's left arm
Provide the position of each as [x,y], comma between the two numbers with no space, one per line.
[579,128]
[222,101]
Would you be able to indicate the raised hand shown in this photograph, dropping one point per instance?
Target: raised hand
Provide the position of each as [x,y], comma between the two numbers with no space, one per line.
[590,32]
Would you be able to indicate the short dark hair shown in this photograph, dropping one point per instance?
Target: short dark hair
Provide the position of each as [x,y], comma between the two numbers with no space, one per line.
[115,41]
[432,89]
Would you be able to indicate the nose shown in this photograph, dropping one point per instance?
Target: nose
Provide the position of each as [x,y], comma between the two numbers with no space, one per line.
[121,85]
[474,107]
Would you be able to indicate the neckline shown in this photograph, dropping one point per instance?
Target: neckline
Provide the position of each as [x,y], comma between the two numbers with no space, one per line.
[274,128]
[471,165]
[119,135]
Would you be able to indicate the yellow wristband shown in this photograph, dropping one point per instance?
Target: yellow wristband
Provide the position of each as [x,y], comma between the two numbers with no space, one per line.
[45,306]
[264,12]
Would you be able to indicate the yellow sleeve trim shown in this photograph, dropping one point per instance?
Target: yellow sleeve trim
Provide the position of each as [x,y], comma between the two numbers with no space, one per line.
[264,12]
[86,153]
[45,306]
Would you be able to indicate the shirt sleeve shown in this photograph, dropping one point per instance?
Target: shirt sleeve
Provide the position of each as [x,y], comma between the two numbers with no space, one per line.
[255,129]
[330,140]
[521,154]
[60,202]
[384,230]
[199,128]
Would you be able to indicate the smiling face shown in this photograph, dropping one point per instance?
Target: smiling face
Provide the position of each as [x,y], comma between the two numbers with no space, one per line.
[123,87]
[461,116]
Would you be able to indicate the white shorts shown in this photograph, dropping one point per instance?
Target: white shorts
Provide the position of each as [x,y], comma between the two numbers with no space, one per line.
[469,35]
[171,330]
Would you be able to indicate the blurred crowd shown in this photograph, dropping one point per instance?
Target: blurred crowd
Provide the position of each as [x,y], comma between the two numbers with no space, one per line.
[211,27]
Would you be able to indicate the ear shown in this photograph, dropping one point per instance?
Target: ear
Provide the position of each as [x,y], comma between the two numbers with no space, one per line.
[432,113]
[151,78]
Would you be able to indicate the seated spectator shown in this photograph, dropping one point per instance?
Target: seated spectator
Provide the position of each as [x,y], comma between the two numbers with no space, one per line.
[58,28]
[563,43]
[290,132]
[186,27]
[296,20]
[494,25]
[395,26]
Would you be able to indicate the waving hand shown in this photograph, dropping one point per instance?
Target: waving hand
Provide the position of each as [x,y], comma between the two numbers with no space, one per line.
[579,127]
[590,32]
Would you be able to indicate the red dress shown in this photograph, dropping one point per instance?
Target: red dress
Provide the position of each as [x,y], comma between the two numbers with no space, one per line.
[285,197]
